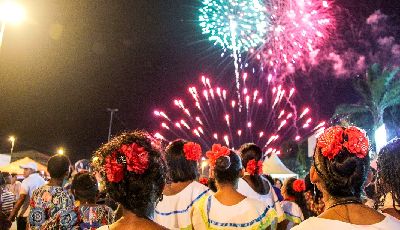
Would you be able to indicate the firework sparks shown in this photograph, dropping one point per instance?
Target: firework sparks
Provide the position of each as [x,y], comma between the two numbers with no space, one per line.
[298,27]
[235,25]
[268,118]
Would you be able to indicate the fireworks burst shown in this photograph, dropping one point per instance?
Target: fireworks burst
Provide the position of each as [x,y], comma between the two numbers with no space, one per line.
[210,114]
[237,25]
[298,27]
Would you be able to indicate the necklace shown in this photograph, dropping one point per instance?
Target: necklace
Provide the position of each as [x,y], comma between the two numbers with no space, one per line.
[352,201]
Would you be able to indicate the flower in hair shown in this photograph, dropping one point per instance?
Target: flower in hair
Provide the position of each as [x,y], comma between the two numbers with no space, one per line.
[137,158]
[357,142]
[216,152]
[204,181]
[192,151]
[330,142]
[114,169]
[254,167]
[299,185]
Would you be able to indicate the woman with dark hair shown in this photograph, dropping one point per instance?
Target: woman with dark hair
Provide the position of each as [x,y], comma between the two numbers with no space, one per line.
[340,168]
[253,184]
[88,215]
[7,200]
[179,196]
[388,181]
[278,183]
[313,196]
[134,174]
[227,208]
[294,205]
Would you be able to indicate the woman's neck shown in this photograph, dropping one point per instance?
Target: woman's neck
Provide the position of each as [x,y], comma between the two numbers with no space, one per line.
[56,182]
[175,188]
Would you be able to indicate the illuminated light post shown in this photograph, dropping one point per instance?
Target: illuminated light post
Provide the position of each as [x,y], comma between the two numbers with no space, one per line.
[10,12]
[60,151]
[380,138]
[12,140]
[112,111]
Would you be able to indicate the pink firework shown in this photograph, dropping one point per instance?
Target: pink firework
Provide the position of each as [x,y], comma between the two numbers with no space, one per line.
[298,28]
[211,114]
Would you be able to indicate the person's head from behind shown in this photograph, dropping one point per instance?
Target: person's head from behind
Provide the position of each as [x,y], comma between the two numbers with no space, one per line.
[133,170]
[83,165]
[388,179]
[84,187]
[7,177]
[251,156]
[292,188]
[182,157]
[226,165]
[341,162]
[58,166]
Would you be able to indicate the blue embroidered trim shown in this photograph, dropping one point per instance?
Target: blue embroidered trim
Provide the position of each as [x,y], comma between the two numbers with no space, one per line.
[258,219]
[290,214]
[184,210]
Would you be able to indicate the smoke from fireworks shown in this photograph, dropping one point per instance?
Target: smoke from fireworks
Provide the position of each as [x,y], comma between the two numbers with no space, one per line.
[210,114]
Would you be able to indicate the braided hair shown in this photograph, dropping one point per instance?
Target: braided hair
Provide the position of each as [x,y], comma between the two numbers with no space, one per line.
[388,179]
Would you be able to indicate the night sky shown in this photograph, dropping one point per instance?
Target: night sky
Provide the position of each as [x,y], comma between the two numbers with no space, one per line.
[71,60]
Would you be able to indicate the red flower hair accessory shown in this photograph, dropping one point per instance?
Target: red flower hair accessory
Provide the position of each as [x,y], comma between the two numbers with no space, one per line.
[133,156]
[114,169]
[252,166]
[192,151]
[204,181]
[357,141]
[216,152]
[332,141]
[299,185]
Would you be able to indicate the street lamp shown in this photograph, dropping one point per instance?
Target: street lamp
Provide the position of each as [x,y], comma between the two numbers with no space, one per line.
[60,151]
[12,140]
[10,12]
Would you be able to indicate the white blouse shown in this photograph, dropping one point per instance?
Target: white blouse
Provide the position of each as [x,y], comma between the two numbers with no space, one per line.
[319,223]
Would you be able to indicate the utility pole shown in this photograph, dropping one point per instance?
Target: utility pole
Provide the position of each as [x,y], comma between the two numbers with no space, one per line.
[112,111]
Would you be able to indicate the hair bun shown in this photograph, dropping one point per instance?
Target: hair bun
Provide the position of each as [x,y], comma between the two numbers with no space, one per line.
[223,163]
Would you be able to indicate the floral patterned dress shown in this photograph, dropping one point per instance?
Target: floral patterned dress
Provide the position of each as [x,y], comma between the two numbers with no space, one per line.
[45,202]
[82,217]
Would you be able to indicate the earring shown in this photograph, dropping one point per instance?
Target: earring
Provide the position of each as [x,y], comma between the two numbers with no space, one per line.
[315,192]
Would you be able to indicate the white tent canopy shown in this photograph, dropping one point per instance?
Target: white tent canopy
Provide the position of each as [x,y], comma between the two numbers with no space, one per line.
[274,167]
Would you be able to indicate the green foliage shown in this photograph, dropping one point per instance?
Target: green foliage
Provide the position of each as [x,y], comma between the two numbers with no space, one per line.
[379,90]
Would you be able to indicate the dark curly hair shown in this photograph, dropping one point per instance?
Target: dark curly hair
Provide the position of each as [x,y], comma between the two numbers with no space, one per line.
[248,152]
[227,169]
[84,187]
[179,168]
[344,175]
[388,179]
[137,193]
[58,166]
[298,196]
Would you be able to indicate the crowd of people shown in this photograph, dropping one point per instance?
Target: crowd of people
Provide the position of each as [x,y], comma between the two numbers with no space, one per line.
[134,182]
